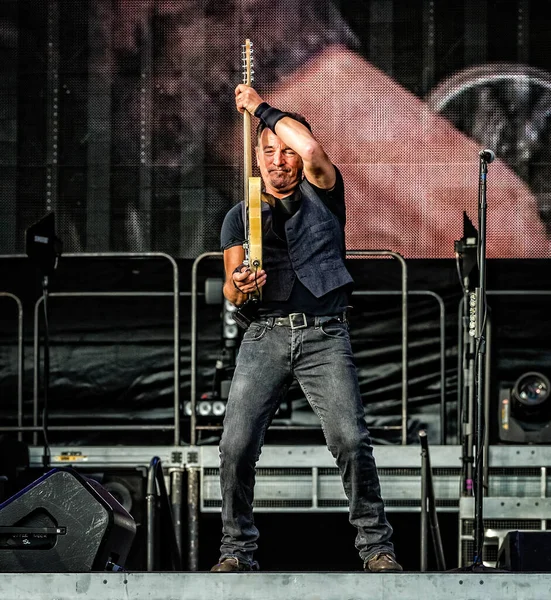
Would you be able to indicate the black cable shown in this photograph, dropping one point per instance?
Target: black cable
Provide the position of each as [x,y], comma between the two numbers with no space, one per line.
[462,416]
[256,282]
[459,273]
[480,342]
[482,432]
[46,375]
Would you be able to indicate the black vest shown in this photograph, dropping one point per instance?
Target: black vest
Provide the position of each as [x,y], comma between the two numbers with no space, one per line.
[314,250]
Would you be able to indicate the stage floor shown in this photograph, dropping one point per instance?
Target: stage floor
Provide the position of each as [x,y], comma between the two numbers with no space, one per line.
[274,586]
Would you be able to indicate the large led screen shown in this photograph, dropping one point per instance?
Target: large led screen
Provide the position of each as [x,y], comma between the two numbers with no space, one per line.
[118,115]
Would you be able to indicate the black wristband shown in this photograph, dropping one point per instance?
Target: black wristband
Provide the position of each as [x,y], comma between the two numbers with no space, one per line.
[269,115]
[260,109]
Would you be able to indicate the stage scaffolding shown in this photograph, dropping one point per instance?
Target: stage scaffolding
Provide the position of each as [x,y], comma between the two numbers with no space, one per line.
[294,479]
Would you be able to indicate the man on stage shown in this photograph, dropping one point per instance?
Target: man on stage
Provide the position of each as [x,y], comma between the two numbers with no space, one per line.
[300,332]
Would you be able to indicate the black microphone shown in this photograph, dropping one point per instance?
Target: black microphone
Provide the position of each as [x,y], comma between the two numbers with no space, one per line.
[487,155]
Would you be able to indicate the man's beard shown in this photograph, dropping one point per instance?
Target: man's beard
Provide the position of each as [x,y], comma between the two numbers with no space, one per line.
[283,180]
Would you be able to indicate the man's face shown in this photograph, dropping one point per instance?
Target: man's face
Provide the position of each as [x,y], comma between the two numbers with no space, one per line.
[280,166]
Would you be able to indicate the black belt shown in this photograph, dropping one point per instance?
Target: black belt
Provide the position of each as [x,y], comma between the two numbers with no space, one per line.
[301,320]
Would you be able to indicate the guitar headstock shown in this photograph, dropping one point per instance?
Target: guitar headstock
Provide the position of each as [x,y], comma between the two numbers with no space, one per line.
[247,60]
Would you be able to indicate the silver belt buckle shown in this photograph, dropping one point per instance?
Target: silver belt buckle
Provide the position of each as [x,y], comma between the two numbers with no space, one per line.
[293,317]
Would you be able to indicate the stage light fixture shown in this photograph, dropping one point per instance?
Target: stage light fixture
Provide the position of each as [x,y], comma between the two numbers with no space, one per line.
[218,408]
[207,407]
[525,410]
[204,408]
[230,328]
[532,390]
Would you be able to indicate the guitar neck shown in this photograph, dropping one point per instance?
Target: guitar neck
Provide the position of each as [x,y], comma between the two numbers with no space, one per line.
[247,154]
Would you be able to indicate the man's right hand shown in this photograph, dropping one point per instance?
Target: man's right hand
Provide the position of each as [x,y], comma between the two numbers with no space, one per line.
[247,99]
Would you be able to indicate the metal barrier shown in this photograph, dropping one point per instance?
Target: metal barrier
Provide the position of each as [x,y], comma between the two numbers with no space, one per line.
[404,294]
[193,366]
[442,325]
[176,344]
[19,363]
[351,253]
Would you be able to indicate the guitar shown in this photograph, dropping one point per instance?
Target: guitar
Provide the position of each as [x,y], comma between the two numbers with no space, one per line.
[252,203]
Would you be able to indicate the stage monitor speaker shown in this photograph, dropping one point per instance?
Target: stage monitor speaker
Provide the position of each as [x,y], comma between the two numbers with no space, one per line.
[64,522]
[128,487]
[525,551]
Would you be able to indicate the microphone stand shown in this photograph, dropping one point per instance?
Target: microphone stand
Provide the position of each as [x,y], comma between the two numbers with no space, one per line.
[478,377]
[44,249]
[486,156]
[46,375]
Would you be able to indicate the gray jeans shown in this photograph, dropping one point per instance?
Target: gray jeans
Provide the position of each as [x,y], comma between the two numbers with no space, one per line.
[321,360]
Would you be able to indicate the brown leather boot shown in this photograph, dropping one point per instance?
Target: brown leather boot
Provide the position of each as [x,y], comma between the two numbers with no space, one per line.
[382,563]
[230,565]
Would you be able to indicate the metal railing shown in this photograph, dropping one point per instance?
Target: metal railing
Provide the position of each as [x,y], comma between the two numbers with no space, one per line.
[193,366]
[35,428]
[351,253]
[442,349]
[404,294]
[17,300]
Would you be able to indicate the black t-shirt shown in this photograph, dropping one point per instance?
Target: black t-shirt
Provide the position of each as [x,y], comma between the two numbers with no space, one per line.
[300,299]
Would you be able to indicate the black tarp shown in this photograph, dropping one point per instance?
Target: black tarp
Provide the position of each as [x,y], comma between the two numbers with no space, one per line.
[112,358]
